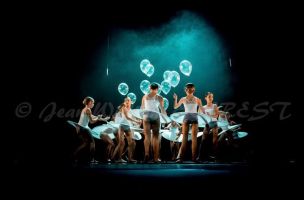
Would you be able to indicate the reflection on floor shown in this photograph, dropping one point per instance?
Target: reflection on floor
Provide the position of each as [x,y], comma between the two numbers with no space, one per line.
[169,169]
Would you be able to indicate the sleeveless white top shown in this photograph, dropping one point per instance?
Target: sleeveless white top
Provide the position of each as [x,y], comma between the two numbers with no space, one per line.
[120,118]
[124,119]
[152,104]
[84,120]
[210,111]
[190,106]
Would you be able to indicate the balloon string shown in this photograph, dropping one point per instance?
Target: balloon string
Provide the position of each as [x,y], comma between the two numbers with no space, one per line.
[108,53]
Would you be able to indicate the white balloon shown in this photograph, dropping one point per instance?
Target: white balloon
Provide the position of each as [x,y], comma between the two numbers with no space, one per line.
[132,96]
[143,65]
[145,86]
[123,88]
[175,78]
[150,70]
[166,87]
[167,75]
[185,67]
[166,103]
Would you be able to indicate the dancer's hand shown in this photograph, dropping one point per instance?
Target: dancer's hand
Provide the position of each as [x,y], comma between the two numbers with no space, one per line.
[174,96]
[100,118]
[107,118]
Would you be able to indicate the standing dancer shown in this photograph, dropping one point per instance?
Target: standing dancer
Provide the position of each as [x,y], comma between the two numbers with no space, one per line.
[152,104]
[84,130]
[124,128]
[191,105]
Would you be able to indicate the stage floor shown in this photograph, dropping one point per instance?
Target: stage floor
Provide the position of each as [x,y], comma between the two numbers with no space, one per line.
[165,170]
[165,178]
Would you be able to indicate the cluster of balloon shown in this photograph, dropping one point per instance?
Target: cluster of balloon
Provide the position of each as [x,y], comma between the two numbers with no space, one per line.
[171,79]
[145,87]
[146,67]
[123,89]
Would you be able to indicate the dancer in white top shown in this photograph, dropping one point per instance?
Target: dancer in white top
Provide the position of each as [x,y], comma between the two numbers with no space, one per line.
[152,104]
[225,117]
[124,120]
[212,111]
[84,130]
[191,104]
[174,128]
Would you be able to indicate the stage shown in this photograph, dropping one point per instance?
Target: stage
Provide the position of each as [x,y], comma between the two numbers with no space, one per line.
[241,54]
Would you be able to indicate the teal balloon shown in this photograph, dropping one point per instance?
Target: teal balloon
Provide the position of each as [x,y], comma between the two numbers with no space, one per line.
[185,67]
[175,78]
[166,103]
[159,88]
[145,86]
[167,75]
[123,88]
[143,65]
[150,70]
[165,87]
[132,96]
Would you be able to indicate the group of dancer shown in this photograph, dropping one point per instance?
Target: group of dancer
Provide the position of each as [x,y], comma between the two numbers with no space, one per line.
[152,106]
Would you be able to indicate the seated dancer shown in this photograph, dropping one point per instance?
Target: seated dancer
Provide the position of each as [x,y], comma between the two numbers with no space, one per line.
[225,117]
[84,130]
[151,104]
[224,120]
[191,105]
[213,112]
[174,127]
[124,128]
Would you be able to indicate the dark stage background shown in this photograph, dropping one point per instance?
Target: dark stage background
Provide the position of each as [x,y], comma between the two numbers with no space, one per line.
[50,50]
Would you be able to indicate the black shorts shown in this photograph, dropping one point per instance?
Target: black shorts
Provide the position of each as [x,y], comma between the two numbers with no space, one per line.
[190,118]
[125,128]
[151,117]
